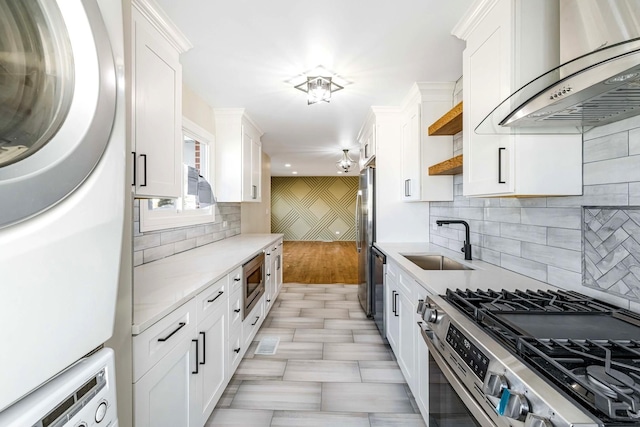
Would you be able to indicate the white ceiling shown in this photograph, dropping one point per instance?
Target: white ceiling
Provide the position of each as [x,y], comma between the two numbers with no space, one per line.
[245,51]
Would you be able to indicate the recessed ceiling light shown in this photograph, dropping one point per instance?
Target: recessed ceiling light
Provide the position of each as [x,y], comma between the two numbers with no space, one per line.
[339,172]
[294,172]
[287,165]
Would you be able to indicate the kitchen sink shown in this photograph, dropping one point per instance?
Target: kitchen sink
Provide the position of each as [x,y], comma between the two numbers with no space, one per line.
[435,262]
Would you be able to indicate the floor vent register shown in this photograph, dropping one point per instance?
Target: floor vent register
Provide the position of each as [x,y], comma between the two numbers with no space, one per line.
[268,345]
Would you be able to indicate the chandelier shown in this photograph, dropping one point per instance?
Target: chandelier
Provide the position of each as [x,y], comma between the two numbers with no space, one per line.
[318,89]
[345,163]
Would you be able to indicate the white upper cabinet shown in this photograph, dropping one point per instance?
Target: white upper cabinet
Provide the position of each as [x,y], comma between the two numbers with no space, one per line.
[509,43]
[425,103]
[367,141]
[238,156]
[156,102]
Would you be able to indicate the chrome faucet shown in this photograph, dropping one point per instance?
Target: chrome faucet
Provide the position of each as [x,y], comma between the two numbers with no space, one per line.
[466,245]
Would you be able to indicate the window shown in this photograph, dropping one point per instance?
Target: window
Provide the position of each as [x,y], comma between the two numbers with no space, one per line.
[196,206]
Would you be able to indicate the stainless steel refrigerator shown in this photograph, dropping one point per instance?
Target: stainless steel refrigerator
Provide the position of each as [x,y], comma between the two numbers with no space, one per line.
[365,235]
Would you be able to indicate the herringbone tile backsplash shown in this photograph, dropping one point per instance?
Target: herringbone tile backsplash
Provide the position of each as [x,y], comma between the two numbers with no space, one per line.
[314,207]
[612,250]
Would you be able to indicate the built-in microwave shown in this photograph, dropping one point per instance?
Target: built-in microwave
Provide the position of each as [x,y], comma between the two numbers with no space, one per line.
[253,287]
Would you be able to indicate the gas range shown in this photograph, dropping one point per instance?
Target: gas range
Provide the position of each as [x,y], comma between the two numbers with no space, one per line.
[539,358]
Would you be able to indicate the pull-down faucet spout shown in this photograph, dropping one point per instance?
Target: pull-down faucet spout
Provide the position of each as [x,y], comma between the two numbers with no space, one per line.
[466,246]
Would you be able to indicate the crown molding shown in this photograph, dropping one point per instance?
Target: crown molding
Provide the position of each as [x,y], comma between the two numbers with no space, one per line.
[161,22]
[428,91]
[472,17]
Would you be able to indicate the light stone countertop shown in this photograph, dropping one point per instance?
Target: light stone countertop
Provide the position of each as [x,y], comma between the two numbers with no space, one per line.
[161,286]
[483,276]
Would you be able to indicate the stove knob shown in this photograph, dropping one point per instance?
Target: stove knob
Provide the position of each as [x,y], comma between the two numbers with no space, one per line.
[494,384]
[422,306]
[537,421]
[513,405]
[430,314]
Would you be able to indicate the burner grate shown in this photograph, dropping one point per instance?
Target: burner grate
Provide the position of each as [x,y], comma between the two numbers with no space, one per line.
[603,374]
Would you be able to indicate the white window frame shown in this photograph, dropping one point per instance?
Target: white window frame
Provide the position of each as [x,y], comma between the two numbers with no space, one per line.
[160,219]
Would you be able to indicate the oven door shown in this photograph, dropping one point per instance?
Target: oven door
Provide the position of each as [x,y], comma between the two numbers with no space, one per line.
[450,403]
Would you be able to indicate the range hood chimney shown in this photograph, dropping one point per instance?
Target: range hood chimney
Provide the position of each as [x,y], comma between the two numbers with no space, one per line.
[599,79]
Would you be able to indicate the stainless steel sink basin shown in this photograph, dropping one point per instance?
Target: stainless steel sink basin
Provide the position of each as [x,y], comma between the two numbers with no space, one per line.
[435,262]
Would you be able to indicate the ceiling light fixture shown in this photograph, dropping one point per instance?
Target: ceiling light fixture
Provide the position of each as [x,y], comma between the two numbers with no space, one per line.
[318,89]
[345,163]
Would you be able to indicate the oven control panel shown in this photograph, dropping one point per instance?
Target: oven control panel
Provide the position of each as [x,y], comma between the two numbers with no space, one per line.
[474,358]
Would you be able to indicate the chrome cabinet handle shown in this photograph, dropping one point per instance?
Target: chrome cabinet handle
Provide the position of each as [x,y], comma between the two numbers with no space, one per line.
[358,201]
[180,326]
[216,297]
[500,150]
[407,188]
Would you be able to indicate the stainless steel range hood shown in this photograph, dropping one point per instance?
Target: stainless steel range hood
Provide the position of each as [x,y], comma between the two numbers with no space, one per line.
[599,79]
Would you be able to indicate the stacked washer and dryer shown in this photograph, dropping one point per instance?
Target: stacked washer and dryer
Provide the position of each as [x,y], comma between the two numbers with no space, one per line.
[62,189]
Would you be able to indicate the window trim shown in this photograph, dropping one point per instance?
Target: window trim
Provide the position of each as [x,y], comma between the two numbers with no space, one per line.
[164,219]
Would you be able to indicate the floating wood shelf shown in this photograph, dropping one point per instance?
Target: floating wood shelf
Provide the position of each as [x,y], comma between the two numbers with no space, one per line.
[449,124]
[448,167]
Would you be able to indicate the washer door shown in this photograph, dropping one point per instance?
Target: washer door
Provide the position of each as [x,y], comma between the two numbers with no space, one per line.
[57,101]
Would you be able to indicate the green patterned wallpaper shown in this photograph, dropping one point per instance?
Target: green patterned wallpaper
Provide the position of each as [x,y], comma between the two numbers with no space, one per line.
[314,207]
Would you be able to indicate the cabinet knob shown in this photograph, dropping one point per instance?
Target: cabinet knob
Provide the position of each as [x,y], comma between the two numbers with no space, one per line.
[537,421]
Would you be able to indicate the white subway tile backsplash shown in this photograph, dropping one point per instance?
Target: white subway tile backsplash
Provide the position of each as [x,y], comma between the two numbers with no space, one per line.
[624,169]
[613,128]
[553,217]
[558,257]
[526,233]
[533,269]
[634,142]
[155,245]
[502,214]
[564,238]
[524,202]
[146,241]
[172,236]
[606,147]
[565,279]
[503,245]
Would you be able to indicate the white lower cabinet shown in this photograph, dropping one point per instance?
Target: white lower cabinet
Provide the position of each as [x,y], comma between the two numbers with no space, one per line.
[182,363]
[403,332]
[166,395]
[212,372]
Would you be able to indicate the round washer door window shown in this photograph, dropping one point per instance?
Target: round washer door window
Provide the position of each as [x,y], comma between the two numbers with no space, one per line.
[57,101]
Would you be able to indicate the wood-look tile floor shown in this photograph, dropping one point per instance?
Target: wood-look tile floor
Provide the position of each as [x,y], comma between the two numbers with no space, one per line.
[331,368]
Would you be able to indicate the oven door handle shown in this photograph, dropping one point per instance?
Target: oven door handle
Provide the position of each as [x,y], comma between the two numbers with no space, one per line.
[469,401]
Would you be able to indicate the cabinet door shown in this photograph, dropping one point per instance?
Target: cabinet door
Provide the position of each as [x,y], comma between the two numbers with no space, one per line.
[157,105]
[407,336]
[393,316]
[166,395]
[256,170]
[247,172]
[488,159]
[212,333]
[411,177]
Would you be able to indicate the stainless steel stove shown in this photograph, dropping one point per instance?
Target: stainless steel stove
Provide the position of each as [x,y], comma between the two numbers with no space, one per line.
[536,358]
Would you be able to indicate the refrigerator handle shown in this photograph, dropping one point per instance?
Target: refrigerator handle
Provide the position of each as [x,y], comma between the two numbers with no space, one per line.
[358,201]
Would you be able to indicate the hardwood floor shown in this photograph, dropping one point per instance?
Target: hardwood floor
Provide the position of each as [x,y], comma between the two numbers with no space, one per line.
[320,262]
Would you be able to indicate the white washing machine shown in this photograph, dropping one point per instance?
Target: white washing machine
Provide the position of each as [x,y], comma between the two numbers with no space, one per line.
[62,169]
[82,396]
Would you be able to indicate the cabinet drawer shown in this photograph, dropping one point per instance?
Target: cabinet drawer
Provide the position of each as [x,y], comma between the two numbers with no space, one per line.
[235,279]
[154,343]
[213,297]
[235,312]
[406,284]
[252,322]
